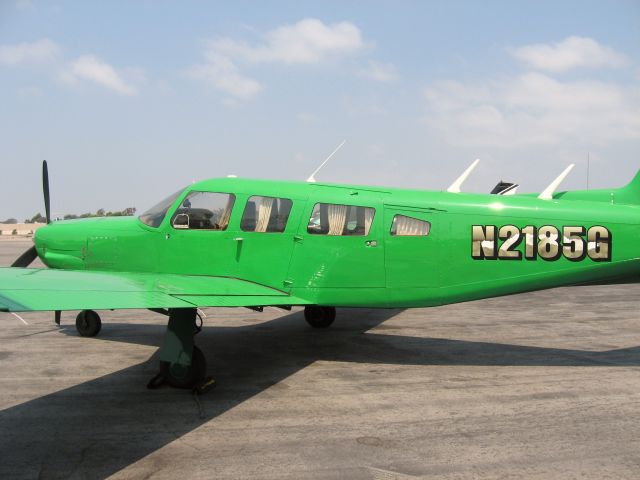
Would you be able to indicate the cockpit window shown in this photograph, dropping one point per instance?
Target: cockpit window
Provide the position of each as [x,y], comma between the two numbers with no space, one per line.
[204,211]
[154,216]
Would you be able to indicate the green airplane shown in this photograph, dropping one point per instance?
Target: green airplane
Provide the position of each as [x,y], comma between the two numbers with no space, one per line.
[232,242]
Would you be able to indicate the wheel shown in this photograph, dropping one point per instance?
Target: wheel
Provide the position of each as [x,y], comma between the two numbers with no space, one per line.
[319,317]
[88,323]
[180,376]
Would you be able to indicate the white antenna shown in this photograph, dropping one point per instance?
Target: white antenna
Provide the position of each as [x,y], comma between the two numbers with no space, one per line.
[312,178]
[455,186]
[547,193]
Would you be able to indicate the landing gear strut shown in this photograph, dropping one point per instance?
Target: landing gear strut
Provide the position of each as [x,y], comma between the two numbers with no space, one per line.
[182,364]
[319,317]
[88,323]
[180,376]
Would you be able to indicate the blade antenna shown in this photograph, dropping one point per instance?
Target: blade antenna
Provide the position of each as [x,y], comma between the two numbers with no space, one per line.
[547,193]
[312,177]
[455,186]
[45,190]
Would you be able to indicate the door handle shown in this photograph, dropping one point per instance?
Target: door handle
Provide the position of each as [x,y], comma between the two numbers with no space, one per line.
[371,243]
[238,239]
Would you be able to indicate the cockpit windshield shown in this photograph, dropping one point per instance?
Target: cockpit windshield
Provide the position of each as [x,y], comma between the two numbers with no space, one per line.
[154,216]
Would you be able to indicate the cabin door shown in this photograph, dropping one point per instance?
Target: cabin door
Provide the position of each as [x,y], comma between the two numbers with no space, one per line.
[339,243]
[265,241]
[411,244]
[200,239]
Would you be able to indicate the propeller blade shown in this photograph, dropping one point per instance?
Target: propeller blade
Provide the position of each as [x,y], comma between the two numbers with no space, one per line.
[26,258]
[45,189]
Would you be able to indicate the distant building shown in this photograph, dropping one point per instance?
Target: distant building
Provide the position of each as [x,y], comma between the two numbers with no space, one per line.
[21,229]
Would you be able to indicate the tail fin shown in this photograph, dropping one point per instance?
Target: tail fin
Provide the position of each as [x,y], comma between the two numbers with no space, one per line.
[629,194]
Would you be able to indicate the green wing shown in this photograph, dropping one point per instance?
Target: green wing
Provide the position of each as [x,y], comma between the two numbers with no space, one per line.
[31,289]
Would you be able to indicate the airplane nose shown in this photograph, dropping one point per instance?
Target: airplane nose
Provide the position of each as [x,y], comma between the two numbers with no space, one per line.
[60,246]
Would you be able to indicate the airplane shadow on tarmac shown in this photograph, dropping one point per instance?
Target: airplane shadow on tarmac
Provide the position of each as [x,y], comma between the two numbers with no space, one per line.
[99,427]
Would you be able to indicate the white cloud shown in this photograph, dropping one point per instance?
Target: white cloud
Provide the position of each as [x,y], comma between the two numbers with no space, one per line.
[308,41]
[93,69]
[224,75]
[532,109]
[572,52]
[380,72]
[48,55]
[41,51]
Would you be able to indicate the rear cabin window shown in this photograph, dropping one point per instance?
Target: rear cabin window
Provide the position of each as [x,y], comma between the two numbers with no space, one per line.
[404,226]
[266,214]
[204,211]
[330,219]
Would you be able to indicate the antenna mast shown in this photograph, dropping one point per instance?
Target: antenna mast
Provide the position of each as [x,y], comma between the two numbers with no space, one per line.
[312,177]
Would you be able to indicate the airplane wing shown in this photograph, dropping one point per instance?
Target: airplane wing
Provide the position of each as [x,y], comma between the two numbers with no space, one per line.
[31,289]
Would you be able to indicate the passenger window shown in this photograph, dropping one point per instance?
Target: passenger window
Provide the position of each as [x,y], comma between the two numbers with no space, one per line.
[329,219]
[403,226]
[204,211]
[266,214]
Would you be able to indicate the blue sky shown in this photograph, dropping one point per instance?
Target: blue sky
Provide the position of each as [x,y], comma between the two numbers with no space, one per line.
[129,101]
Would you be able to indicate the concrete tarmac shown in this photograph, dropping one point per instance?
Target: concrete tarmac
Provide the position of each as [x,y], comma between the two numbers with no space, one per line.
[538,386]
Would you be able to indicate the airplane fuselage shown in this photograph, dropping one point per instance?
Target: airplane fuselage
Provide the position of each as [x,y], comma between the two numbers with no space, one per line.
[343,245]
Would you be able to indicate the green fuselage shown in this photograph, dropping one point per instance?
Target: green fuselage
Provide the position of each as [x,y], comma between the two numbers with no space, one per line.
[478,245]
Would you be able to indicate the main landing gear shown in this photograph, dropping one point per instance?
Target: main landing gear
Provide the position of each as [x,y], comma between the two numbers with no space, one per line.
[88,323]
[182,364]
[319,317]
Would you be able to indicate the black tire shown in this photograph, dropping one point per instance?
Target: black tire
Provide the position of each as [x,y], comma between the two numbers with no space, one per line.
[179,376]
[319,317]
[88,323]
